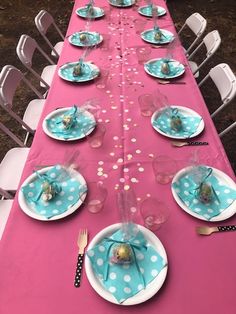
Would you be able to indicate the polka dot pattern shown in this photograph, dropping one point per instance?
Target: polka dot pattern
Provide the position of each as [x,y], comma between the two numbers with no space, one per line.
[127,276]
[69,195]
[223,197]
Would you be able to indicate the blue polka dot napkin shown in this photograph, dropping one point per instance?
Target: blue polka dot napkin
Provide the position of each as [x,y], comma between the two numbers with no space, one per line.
[71,191]
[125,280]
[154,67]
[186,188]
[190,124]
[149,36]
[88,72]
[82,123]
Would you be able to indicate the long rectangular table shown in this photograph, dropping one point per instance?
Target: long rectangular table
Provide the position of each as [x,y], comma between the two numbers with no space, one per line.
[38,259]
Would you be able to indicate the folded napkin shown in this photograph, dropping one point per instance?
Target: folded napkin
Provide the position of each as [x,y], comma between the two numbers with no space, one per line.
[190,124]
[223,195]
[70,192]
[154,67]
[87,72]
[80,124]
[150,36]
[91,38]
[126,280]
[147,10]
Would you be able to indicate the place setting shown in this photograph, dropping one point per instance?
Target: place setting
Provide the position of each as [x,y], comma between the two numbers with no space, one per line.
[79,71]
[89,11]
[85,38]
[69,124]
[53,192]
[166,69]
[126,263]
[150,9]
[121,3]
[204,192]
[157,36]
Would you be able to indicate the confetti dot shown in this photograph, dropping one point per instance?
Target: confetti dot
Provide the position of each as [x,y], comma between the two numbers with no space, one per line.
[100,173]
[115,138]
[141,169]
[133,140]
[126,170]
[138,151]
[126,187]
[115,167]
[100,163]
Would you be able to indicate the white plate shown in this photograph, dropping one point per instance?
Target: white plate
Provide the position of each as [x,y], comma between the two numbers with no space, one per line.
[59,112]
[99,12]
[184,111]
[79,79]
[31,213]
[152,287]
[227,213]
[157,42]
[81,44]
[131,2]
[163,11]
[168,77]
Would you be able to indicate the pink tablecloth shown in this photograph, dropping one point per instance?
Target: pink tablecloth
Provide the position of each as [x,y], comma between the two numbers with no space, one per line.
[38,259]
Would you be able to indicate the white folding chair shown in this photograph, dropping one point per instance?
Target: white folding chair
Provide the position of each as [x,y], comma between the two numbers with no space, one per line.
[43,21]
[5,208]
[10,78]
[12,165]
[25,50]
[212,42]
[229,128]
[225,82]
[197,24]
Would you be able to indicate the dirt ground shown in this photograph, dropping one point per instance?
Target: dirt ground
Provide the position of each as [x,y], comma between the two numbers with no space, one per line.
[17,17]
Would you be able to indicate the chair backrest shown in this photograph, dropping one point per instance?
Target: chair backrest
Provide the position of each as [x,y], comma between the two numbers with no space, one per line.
[225,82]
[212,42]
[10,78]
[5,194]
[229,128]
[197,23]
[43,21]
[25,50]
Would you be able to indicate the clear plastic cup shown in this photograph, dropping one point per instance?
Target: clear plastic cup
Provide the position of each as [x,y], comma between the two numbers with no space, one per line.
[143,54]
[164,168]
[96,197]
[95,139]
[146,104]
[154,213]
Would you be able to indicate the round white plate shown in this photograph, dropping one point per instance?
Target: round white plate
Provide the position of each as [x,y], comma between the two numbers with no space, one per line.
[227,213]
[152,287]
[78,79]
[184,111]
[165,76]
[78,43]
[157,42]
[31,212]
[99,12]
[60,112]
[161,11]
[127,4]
